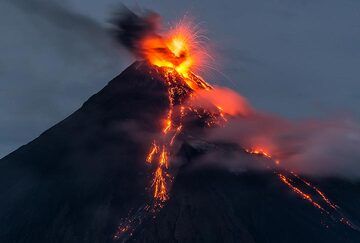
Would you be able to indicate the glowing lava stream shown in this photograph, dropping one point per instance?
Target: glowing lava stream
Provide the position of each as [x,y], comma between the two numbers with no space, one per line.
[175,55]
[172,127]
[177,61]
[306,196]
[288,182]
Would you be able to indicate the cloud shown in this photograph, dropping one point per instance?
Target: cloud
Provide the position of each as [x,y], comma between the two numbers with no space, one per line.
[324,148]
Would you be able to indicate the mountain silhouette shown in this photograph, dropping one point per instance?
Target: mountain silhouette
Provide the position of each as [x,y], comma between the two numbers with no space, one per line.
[80,178]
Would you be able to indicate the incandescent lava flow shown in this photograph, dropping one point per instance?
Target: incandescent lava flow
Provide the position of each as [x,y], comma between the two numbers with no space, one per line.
[175,55]
[131,158]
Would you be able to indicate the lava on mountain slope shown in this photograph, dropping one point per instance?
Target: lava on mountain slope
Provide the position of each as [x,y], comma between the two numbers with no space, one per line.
[174,55]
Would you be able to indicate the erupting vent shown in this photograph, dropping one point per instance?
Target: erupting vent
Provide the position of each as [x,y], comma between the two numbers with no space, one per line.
[174,56]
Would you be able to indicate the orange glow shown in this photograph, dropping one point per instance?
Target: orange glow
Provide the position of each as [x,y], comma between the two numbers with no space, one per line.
[168,122]
[159,184]
[164,158]
[178,130]
[173,53]
[176,55]
[178,50]
[261,152]
[322,195]
[153,151]
[225,100]
[289,182]
[302,194]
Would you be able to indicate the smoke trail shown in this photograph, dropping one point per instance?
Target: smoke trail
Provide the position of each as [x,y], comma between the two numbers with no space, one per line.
[312,147]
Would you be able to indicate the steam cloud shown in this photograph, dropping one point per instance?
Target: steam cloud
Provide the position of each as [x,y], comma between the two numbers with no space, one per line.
[314,147]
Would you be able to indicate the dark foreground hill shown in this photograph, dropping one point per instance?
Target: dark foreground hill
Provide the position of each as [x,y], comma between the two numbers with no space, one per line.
[76,181]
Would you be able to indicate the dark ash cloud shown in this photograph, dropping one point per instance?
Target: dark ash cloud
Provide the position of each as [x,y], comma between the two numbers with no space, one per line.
[129,28]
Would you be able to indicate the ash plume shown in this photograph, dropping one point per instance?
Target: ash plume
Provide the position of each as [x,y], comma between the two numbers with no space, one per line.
[130,28]
[324,148]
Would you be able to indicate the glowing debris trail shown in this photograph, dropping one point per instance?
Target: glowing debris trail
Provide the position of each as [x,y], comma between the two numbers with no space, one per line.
[174,56]
[322,195]
[172,127]
[153,151]
[306,196]
[287,181]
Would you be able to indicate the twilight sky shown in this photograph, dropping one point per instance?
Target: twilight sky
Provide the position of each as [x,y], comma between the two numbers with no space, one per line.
[299,59]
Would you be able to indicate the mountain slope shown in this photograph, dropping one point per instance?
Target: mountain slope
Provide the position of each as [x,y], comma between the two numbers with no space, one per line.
[217,206]
[76,181]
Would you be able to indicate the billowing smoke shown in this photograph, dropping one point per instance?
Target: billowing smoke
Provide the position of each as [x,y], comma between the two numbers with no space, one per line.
[224,99]
[129,28]
[316,147]
[312,147]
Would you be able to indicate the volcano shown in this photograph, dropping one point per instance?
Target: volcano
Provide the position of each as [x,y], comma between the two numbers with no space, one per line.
[86,177]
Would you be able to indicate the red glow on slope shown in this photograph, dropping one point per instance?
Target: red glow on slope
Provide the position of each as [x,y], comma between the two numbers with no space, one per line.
[176,54]
[336,215]
[153,151]
[226,100]
[302,194]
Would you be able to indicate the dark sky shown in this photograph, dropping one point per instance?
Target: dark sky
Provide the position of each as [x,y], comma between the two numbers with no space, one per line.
[299,59]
